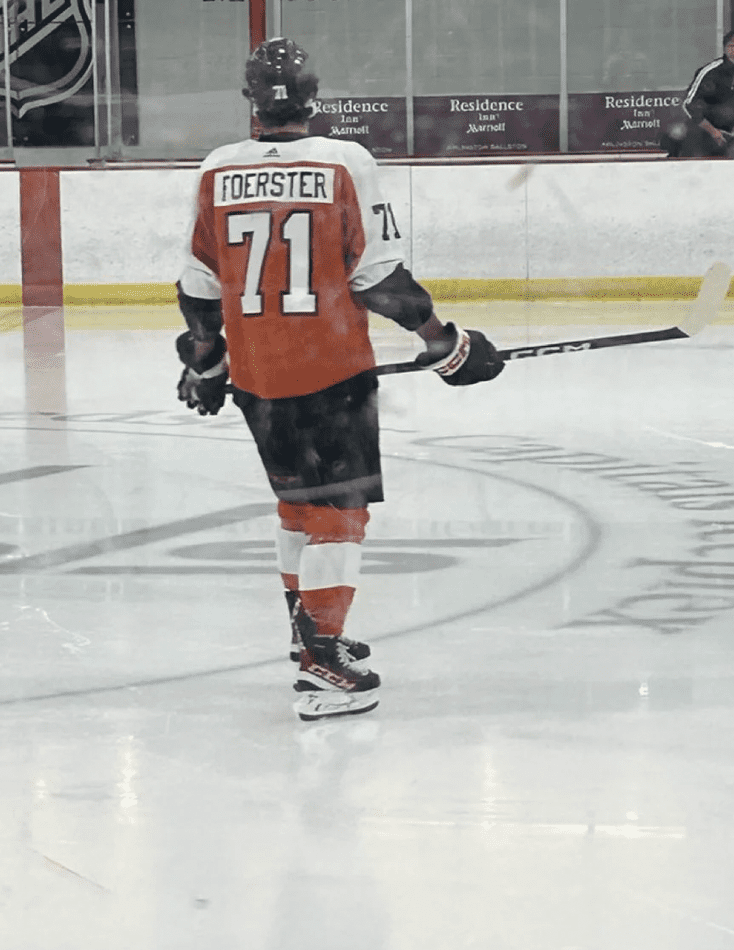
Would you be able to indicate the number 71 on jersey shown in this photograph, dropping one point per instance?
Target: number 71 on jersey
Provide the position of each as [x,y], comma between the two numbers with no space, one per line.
[297,295]
[295,231]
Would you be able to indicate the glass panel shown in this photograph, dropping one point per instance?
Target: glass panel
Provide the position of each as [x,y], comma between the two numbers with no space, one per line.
[357,50]
[629,45]
[486,76]
[187,79]
[621,51]
[471,46]
[5,135]
[51,57]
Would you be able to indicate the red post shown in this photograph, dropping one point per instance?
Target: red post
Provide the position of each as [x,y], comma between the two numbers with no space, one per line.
[258,23]
[43,289]
[40,232]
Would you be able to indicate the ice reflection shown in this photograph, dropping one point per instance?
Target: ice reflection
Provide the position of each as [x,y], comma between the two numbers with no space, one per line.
[128,798]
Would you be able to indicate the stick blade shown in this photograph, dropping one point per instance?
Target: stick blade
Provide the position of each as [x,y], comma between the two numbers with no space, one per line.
[711,296]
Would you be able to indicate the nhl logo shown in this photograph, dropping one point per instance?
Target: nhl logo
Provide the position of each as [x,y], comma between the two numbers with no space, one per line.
[50,51]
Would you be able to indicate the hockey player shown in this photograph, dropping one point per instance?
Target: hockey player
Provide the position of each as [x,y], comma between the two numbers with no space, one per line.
[291,245]
[708,108]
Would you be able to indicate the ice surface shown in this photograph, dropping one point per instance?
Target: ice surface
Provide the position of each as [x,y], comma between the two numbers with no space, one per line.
[548,591]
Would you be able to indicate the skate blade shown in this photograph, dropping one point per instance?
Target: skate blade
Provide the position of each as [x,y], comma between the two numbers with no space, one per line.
[328,703]
[295,656]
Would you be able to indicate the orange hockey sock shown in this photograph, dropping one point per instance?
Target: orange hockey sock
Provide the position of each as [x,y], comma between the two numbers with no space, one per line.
[290,581]
[328,607]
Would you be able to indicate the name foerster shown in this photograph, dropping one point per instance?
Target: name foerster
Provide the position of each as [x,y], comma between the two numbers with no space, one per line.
[274,184]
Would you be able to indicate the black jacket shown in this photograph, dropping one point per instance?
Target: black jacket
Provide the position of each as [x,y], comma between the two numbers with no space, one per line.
[711,95]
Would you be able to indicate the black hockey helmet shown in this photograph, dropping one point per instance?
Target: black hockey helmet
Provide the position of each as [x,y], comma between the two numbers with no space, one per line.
[276,85]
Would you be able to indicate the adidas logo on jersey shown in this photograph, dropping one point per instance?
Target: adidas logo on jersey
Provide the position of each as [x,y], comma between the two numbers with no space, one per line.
[273,153]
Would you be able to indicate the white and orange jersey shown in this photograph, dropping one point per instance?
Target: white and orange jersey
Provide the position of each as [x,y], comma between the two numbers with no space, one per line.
[283,231]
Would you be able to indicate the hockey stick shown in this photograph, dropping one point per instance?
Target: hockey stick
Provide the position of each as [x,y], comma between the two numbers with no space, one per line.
[711,296]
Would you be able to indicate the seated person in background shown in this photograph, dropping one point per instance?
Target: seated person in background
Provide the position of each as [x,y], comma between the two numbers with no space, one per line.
[706,128]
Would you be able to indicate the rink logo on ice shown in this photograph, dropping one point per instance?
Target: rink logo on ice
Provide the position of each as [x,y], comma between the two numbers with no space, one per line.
[671,594]
[50,46]
[688,593]
[394,556]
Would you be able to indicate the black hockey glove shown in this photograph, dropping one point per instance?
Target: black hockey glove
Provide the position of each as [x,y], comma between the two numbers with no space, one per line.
[203,384]
[473,359]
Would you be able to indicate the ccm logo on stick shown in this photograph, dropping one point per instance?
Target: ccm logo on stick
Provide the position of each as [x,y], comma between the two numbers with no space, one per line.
[545,350]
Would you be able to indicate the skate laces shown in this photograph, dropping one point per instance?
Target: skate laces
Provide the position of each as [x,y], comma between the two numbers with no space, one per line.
[342,654]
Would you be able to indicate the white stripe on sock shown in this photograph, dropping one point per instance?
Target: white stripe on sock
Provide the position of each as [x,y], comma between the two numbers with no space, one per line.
[335,564]
[289,546]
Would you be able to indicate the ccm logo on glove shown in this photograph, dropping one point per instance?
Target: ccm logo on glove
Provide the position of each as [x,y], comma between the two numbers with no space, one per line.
[458,355]
[473,359]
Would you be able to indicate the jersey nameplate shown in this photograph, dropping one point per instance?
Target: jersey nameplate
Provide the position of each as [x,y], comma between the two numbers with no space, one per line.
[310,185]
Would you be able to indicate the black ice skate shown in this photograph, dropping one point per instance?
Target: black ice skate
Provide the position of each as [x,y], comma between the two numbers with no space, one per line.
[330,681]
[299,618]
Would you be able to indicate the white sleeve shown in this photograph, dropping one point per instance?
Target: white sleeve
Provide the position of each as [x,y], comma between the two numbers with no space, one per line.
[383,238]
[198,280]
